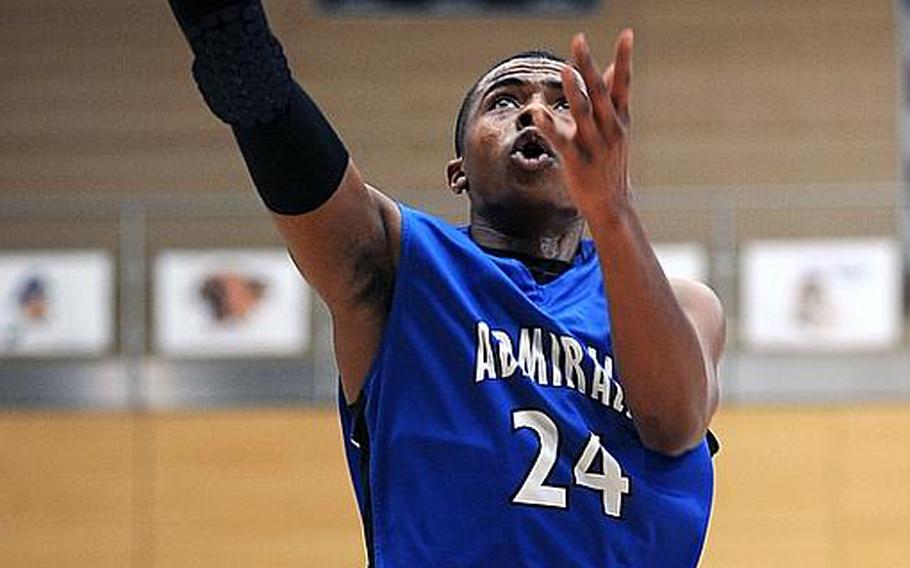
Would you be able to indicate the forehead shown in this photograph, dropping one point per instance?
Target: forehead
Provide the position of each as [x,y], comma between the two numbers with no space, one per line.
[524,69]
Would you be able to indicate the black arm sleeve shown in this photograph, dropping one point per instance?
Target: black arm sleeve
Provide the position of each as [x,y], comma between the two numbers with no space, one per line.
[294,156]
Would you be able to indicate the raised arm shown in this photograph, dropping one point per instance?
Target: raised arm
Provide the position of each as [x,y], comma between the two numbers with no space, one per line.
[667,338]
[343,235]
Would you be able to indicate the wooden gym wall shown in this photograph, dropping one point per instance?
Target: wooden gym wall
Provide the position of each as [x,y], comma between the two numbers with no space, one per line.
[795,487]
[97,97]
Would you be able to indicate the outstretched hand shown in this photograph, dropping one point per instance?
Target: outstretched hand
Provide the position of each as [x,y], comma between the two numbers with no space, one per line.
[595,156]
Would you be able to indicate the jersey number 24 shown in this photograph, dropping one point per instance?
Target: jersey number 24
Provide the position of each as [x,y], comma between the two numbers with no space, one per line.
[612,484]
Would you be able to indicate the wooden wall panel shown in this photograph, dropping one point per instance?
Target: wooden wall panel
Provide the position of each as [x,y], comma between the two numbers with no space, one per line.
[66,489]
[803,487]
[872,520]
[97,96]
[812,487]
[774,489]
[252,489]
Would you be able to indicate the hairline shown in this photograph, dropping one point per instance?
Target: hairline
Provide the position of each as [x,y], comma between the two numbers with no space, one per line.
[491,77]
[470,99]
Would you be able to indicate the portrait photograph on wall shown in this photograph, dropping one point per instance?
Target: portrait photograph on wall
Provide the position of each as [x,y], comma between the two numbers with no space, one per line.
[225,303]
[821,295]
[55,303]
[683,260]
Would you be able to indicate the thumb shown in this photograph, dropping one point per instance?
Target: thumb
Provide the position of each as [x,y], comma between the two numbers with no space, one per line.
[560,142]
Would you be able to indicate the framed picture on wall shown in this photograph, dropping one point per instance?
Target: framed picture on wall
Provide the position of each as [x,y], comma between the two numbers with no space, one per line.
[683,260]
[55,302]
[228,303]
[821,295]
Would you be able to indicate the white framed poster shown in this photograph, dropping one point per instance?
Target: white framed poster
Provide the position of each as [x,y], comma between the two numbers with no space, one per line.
[821,294]
[55,302]
[683,260]
[230,302]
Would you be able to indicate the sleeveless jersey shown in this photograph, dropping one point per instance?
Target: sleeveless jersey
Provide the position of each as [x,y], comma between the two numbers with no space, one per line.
[492,430]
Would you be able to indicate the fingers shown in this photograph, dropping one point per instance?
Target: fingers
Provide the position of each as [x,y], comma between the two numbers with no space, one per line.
[564,144]
[587,133]
[608,79]
[601,103]
[622,74]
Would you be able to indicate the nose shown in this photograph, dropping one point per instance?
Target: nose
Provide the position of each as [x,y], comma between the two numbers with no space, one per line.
[531,113]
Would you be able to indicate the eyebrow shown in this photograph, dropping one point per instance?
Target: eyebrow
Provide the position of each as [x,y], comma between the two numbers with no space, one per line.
[516,82]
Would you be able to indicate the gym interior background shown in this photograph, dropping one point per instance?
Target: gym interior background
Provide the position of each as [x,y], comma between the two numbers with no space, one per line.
[754,122]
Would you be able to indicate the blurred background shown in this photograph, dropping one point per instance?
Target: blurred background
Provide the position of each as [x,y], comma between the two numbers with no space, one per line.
[166,380]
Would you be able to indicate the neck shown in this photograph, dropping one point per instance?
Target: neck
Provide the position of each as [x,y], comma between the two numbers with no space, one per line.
[551,244]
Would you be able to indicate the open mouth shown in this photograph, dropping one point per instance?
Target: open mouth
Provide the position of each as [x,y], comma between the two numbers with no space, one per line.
[532,152]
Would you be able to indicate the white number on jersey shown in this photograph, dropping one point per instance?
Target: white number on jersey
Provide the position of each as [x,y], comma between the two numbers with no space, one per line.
[612,484]
[533,491]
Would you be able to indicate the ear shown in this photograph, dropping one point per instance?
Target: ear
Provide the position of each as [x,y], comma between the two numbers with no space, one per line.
[457,179]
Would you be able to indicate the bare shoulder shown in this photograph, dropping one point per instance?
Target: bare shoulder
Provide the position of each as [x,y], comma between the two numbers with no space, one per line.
[391,218]
[696,295]
[348,250]
[705,311]
[342,247]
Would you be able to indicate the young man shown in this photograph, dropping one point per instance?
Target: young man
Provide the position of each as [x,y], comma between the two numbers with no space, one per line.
[513,393]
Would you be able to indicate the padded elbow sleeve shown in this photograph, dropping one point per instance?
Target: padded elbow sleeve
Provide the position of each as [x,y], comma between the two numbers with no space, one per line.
[296,160]
[294,156]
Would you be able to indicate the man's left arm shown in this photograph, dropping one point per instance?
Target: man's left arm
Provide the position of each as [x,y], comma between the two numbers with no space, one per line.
[667,338]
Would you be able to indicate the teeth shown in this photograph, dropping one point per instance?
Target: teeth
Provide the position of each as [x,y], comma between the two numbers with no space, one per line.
[533,146]
[533,152]
[532,161]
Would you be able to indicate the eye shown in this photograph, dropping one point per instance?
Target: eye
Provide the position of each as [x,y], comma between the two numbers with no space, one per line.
[503,102]
[561,105]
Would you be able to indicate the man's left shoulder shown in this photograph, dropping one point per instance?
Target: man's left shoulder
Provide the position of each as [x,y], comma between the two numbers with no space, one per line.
[695,296]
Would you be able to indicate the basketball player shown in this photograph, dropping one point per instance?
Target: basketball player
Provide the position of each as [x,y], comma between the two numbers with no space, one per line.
[513,394]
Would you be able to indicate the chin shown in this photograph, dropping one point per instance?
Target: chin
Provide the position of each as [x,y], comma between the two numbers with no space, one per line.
[541,187]
[534,202]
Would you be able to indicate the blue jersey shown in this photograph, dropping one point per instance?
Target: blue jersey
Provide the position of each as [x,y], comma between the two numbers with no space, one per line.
[492,429]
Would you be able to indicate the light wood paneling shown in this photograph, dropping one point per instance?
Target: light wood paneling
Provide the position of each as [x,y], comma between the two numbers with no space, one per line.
[98,96]
[801,487]
[872,521]
[65,490]
[817,487]
[253,489]
[774,490]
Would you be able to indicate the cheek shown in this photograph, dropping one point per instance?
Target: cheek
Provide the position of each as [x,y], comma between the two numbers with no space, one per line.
[487,142]
[566,124]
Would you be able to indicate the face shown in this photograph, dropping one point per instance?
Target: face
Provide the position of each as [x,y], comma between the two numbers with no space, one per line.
[509,169]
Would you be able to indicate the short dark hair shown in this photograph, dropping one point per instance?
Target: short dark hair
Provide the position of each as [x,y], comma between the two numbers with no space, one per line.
[461,121]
